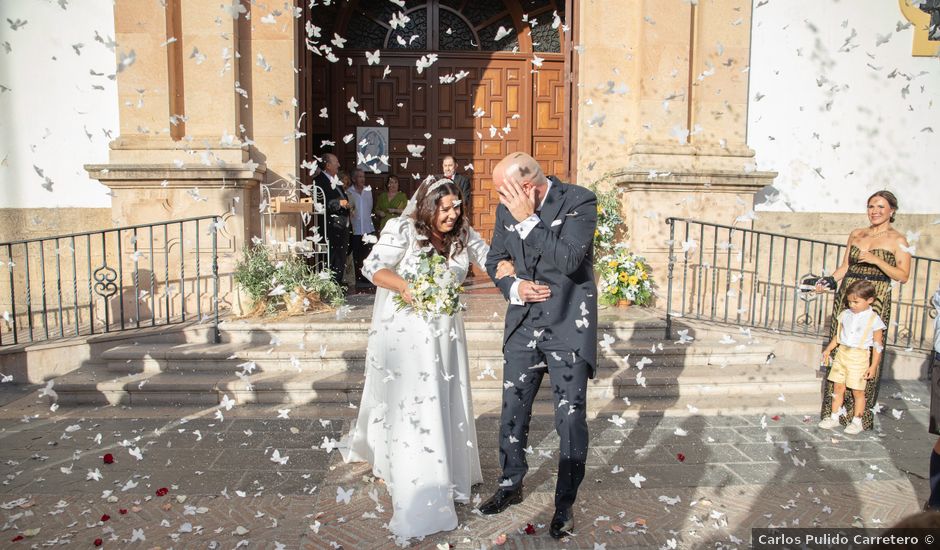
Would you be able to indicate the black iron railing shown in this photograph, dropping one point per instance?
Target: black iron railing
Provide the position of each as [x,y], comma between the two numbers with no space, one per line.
[736,276]
[110,280]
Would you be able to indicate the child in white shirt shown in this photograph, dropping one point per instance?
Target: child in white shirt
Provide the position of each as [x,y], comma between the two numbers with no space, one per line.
[859,337]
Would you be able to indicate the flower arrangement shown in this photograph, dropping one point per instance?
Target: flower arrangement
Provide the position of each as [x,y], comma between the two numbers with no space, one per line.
[287,284]
[609,221]
[625,276]
[434,288]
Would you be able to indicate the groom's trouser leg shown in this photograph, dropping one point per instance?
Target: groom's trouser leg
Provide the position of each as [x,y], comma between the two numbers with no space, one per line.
[520,384]
[569,375]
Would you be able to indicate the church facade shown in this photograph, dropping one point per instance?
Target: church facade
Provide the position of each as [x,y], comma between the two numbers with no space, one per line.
[675,103]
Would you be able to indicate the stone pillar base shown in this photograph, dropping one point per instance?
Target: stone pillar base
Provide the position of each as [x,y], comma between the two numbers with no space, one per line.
[156,193]
[664,157]
[662,182]
[138,149]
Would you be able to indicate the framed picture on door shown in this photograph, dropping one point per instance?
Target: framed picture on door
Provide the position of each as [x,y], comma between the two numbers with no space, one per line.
[372,143]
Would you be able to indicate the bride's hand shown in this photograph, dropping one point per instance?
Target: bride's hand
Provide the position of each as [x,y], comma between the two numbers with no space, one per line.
[505,268]
[406,294]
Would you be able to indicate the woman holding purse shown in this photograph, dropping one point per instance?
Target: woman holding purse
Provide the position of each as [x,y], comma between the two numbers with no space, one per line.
[878,254]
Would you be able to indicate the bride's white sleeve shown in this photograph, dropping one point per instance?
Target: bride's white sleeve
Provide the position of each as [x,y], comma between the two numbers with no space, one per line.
[477,249]
[389,251]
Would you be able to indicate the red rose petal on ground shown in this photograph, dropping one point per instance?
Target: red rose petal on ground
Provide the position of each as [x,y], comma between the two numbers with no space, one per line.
[122,511]
[775,417]
[680,457]
[98,542]
[105,517]
[162,491]
[108,458]
[529,529]
[17,538]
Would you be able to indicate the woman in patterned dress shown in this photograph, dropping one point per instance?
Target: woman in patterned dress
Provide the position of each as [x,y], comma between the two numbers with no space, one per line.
[877,254]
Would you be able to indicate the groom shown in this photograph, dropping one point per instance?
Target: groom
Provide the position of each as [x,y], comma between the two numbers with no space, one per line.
[546,228]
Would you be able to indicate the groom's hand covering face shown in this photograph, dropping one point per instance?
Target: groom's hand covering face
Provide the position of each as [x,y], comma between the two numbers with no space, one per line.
[517,196]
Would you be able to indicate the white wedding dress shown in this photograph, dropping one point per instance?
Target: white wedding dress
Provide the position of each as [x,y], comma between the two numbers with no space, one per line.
[416,424]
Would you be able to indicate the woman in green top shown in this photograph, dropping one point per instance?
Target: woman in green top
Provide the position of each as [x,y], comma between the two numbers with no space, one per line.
[390,204]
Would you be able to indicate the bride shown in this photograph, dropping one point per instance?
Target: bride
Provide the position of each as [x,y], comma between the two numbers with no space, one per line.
[416,424]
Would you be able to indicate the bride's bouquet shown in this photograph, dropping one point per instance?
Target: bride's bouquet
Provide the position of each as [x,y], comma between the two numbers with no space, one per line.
[434,288]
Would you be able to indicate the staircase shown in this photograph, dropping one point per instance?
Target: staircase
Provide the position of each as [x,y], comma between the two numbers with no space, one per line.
[320,360]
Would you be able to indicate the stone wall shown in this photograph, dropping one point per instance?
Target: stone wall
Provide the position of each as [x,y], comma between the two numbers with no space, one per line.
[841,107]
[651,76]
[34,223]
[835,227]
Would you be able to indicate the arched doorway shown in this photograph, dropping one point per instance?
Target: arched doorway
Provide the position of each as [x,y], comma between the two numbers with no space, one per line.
[499,84]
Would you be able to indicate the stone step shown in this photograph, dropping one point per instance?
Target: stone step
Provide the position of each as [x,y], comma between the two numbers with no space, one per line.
[355,333]
[342,386]
[173,390]
[190,357]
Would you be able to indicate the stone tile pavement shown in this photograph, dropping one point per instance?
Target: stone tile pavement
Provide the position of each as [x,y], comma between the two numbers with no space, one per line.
[673,482]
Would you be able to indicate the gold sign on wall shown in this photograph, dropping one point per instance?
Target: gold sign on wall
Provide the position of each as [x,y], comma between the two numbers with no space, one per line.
[916,14]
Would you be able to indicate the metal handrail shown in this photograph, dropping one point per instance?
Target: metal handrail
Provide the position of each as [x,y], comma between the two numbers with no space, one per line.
[672,220]
[752,278]
[123,228]
[96,299]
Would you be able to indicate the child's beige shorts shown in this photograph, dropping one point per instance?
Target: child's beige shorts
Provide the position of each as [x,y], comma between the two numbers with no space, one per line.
[849,367]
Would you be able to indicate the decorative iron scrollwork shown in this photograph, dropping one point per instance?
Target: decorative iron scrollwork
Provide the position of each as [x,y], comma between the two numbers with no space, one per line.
[805,320]
[104,282]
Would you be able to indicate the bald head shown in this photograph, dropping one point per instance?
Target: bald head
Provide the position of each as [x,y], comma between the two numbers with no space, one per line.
[521,168]
[330,164]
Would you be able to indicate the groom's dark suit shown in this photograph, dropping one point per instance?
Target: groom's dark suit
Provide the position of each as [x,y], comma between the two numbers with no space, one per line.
[558,336]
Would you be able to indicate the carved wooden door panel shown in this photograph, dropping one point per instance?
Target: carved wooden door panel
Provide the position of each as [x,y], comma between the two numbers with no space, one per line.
[501,103]
[401,101]
[499,107]
[548,117]
[496,92]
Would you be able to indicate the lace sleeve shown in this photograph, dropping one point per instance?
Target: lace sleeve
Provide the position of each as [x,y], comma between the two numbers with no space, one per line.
[388,252]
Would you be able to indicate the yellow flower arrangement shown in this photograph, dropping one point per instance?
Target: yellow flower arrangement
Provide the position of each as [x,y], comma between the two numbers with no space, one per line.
[625,276]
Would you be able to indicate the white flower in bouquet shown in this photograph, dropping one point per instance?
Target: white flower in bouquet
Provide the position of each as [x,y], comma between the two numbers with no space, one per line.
[434,288]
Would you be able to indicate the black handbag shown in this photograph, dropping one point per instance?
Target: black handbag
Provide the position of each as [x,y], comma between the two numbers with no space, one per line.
[808,284]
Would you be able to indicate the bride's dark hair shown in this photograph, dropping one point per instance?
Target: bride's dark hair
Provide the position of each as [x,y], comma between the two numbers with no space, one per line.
[427,202]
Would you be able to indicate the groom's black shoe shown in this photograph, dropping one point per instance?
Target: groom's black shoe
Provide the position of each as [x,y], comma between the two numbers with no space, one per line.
[503,499]
[562,524]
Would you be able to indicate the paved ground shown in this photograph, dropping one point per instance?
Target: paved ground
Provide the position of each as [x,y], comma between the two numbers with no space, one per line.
[223,490]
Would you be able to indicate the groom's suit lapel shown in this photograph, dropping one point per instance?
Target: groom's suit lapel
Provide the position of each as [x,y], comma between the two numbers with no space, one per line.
[553,202]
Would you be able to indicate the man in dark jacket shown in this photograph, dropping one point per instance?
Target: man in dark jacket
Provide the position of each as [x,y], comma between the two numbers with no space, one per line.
[449,166]
[546,228]
[337,215]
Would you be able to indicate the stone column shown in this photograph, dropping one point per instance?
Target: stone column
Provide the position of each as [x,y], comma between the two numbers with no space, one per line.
[663,113]
[180,153]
